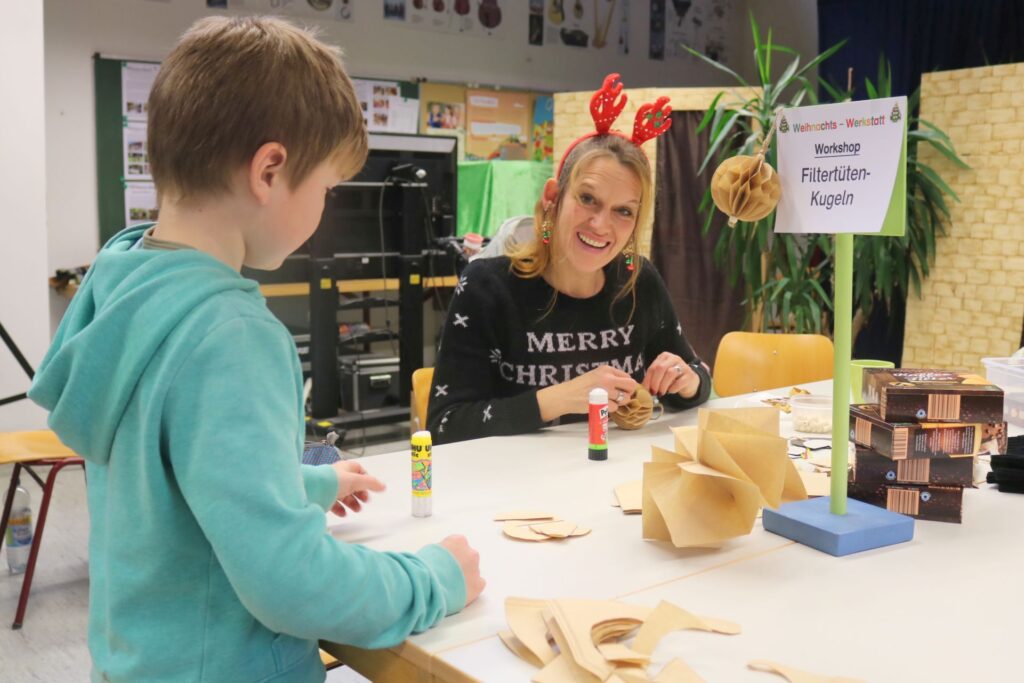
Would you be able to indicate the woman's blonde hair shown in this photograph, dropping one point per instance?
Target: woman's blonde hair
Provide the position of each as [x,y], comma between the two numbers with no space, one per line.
[532,259]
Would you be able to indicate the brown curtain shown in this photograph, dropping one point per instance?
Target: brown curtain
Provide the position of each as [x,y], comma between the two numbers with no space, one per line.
[706,305]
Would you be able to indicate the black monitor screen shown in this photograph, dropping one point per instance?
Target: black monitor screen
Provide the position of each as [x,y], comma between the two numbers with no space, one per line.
[354,211]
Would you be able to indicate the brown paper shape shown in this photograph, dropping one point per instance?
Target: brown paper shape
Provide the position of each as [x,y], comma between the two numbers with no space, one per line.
[519,650]
[677,671]
[620,654]
[524,515]
[686,441]
[666,618]
[696,505]
[629,674]
[635,413]
[577,621]
[722,472]
[522,532]
[793,489]
[745,188]
[561,529]
[630,496]
[610,631]
[740,420]
[525,618]
[816,484]
[563,670]
[796,675]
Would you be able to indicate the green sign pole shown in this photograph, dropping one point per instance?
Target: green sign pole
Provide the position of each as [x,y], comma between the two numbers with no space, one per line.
[843,308]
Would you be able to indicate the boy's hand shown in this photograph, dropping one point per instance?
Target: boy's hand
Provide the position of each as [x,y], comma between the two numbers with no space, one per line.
[354,486]
[469,562]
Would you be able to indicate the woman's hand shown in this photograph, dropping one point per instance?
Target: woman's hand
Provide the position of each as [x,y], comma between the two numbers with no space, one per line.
[670,374]
[573,397]
[354,486]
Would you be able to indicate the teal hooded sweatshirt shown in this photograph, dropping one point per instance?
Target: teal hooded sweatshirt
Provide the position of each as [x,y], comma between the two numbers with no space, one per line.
[209,556]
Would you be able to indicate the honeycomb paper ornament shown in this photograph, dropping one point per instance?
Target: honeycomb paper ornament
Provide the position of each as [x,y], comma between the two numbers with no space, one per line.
[637,412]
[747,188]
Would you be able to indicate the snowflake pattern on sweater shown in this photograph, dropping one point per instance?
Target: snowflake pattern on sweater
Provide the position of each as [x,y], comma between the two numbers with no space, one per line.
[499,348]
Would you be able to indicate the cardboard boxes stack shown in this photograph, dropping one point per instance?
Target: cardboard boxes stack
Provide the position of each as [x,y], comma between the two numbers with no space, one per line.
[916,437]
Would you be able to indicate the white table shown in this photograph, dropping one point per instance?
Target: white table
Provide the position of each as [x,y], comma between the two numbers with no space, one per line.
[939,608]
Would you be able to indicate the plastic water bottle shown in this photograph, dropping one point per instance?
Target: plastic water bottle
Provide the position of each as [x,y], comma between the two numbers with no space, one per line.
[19,532]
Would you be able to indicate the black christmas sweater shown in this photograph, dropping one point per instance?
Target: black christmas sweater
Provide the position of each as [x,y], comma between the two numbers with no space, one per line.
[498,348]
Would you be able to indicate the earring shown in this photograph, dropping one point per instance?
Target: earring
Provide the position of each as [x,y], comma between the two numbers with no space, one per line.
[546,226]
[628,253]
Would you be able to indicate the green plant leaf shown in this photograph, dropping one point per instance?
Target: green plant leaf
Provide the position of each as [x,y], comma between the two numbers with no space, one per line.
[943,149]
[870,87]
[787,299]
[808,89]
[719,136]
[710,113]
[833,92]
[822,57]
[721,67]
[784,80]
[815,313]
[931,175]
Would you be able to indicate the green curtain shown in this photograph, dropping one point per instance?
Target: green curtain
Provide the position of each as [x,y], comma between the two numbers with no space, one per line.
[491,192]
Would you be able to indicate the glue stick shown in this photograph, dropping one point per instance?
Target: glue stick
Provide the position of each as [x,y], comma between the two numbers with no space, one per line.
[598,447]
[422,500]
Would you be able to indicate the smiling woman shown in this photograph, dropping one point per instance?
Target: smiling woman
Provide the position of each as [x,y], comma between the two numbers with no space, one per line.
[530,334]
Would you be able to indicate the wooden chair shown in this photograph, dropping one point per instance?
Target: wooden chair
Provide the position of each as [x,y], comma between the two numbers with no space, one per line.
[421,381]
[26,450]
[747,362]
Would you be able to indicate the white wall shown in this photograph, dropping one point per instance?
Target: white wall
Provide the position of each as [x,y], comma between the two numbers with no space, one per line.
[23,267]
[375,48]
[75,30]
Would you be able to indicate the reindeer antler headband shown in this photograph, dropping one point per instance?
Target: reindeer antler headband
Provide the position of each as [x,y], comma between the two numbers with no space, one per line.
[652,119]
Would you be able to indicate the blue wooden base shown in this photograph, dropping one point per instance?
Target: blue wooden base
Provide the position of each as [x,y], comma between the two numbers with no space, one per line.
[863,527]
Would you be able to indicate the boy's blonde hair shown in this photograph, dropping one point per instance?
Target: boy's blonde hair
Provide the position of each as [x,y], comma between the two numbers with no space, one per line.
[234,84]
[532,259]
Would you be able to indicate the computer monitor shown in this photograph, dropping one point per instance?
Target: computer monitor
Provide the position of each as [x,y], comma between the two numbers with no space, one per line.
[356,212]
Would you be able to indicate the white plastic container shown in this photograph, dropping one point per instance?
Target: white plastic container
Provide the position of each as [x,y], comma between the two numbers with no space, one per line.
[812,414]
[1008,375]
[19,532]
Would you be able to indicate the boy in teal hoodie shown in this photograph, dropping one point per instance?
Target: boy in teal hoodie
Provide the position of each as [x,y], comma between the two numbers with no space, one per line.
[209,557]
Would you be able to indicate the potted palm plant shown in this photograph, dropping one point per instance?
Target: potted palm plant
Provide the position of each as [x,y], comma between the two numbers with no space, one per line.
[787,277]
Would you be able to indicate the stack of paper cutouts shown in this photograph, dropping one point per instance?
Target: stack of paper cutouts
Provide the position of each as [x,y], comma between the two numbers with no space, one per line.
[529,525]
[584,640]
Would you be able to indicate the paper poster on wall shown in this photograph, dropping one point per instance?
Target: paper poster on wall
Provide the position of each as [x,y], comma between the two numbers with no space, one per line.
[136,82]
[598,24]
[496,117]
[843,168]
[136,160]
[140,204]
[699,24]
[442,106]
[543,148]
[334,10]
[469,17]
[384,109]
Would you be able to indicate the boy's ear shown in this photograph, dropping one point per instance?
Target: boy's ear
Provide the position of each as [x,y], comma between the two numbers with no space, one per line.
[266,170]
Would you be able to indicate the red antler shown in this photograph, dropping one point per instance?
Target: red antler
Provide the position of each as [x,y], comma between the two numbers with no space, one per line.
[604,107]
[651,121]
